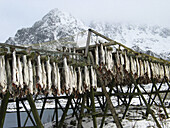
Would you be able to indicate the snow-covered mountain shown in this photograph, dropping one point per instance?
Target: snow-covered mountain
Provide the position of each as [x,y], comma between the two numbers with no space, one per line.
[56,26]
[60,29]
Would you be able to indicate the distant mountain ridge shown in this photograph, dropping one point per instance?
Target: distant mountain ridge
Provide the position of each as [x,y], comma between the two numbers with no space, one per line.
[65,30]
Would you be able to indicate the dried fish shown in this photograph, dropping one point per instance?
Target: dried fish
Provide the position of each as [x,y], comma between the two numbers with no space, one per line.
[102,54]
[3,77]
[44,76]
[49,75]
[30,69]
[127,65]
[58,80]
[87,78]
[39,83]
[67,74]
[79,81]
[15,74]
[97,55]
[8,72]
[26,72]
[20,73]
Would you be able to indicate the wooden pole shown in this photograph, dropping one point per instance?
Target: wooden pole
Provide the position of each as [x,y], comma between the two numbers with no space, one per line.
[144,100]
[93,107]
[34,111]
[3,108]
[88,42]
[65,112]
[81,112]
[18,113]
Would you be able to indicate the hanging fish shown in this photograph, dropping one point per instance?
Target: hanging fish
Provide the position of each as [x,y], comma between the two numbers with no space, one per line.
[102,55]
[117,59]
[58,80]
[127,65]
[87,78]
[9,80]
[71,79]
[20,73]
[141,68]
[39,83]
[93,78]
[44,76]
[148,70]
[110,61]
[30,69]
[3,77]
[54,76]
[49,75]
[66,75]
[97,55]
[26,73]
[15,74]
[79,81]
[167,71]
[138,67]
[75,79]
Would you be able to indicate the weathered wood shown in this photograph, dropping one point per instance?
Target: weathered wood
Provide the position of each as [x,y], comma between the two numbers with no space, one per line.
[42,110]
[3,108]
[34,111]
[93,107]
[29,115]
[79,125]
[18,113]
[144,100]
[65,112]
[87,43]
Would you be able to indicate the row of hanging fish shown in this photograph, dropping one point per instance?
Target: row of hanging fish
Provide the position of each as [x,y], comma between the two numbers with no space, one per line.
[120,63]
[22,75]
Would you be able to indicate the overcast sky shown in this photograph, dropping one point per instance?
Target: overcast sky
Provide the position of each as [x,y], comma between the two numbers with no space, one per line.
[16,14]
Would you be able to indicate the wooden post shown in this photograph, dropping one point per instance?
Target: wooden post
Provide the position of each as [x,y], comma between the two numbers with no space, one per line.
[87,43]
[42,110]
[93,107]
[3,108]
[34,111]
[65,112]
[56,111]
[18,113]
[81,112]
[147,105]
[29,115]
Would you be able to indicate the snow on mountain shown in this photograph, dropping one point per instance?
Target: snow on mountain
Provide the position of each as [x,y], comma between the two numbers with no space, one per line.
[154,40]
[55,26]
[62,29]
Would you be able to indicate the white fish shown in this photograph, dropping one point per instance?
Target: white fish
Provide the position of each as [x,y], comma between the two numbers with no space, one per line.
[93,75]
[141,68]
[110,61]
[26,72]
[71,79]
[167,71]
[3,77]
[87,78]
[30,69]
[117,59]
[97,55]
[44,77]
[39,72]
[20,73]
[58,80]
[102,54]
[138,67]
[75,79]
[127,65]
[80,81]
[148,70]
[66,73]
[54,75]
[49,75]
[9,76]
[162,71]
[15,74]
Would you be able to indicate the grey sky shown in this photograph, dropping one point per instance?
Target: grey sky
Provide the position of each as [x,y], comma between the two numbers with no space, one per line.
[15,14]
